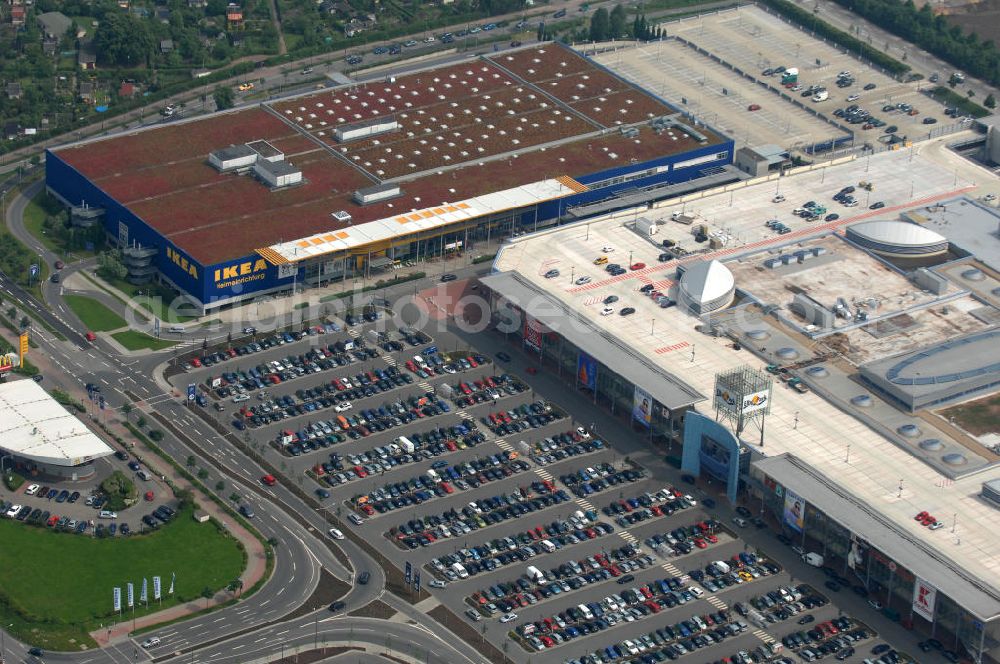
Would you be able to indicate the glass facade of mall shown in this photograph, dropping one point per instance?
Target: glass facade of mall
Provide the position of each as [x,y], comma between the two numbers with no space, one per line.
[884,579]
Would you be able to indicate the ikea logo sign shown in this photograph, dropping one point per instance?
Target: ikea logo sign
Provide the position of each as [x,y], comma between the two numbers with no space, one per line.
[240,270]
[182,262]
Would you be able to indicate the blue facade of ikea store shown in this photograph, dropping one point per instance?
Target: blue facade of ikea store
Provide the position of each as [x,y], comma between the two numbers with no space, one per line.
[244,277]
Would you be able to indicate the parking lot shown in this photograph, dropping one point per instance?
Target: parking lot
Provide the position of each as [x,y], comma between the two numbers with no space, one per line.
[497,481]
[752,39]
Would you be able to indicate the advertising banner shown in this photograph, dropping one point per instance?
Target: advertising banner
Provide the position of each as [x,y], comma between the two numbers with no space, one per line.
[144,593]
[795,510]
[642,406]
[157,587]
[924,597]
[532,333]
[23,346]
[130,593]
[586,371]
[118,599]
[173,577]
[409,572]
[755,402]
[416,580]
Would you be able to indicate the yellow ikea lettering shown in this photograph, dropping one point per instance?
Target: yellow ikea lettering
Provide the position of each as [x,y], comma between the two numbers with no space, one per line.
[240,270]
[182,262]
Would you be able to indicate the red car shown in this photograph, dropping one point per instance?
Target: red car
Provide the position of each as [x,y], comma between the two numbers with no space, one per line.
[753,107]
[195,362]
[531,370]
[91,337]
[637,266]
[269,480]
[472,362]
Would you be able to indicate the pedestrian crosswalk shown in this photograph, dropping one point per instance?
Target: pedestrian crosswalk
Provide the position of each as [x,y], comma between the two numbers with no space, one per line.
[584,503]
[716,602]
[763,636]
[672,569]
[424,385]
[544,474]
[354,333]
[503,444]
[628,537]
[389,359]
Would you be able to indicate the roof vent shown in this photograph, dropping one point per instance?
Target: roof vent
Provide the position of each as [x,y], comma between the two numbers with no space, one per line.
[342,216]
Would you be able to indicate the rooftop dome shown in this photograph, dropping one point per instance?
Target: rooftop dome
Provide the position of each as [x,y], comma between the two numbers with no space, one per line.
[707,286]
[897,237]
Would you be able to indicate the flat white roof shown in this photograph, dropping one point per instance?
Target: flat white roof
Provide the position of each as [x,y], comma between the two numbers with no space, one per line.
[415,221]
[37,427]
[856,458]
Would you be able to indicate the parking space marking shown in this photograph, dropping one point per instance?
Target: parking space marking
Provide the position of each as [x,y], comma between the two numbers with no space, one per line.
[763,636]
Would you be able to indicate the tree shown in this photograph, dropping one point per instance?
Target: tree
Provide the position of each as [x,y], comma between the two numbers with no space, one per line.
[191,461]
[235,497]
[126,409]
[224,98]
[616,29]
[220,486]
[235,586]
[990,101]
[123,40]
[599,25]
[110,265]
[207,593]
[202,474]
[141,421]
[184,498]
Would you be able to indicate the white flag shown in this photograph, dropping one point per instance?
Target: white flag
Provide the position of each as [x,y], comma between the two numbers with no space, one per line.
[143,596]
[118,599]
[131,595]
[173,577]
[156,587]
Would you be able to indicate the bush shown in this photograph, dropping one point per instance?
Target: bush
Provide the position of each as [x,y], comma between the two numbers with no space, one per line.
[12,481]
[155,435]
[120,490]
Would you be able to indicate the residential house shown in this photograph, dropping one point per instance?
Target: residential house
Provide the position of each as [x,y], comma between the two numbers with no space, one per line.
[11,131]
[50,46]
[234,17]
[359,24]
[87,90]
[166,46]
[17,15]
[127,90]
[54,24]
[86,56]
[13,90]
[163,15]
[197,4]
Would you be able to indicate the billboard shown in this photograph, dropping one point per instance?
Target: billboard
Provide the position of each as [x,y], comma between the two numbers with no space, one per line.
[586,371]
[795,510]
[755,402]
[924,597]
[532,333]
[642,406]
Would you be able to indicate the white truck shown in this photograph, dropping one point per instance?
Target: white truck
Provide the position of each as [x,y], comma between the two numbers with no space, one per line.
[814,559]
[405,443]
[535,574]
[720,567]
[822,95]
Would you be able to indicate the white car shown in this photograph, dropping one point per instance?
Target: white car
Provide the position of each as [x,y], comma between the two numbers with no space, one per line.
[582,280]
[343,407]
[241,397]
[438,584]
[32,490]
[508,617]
[778,199]
[336,534]
[696,591]
[607,311]
[607,250]
[854,98]
[151,642]
[14,509]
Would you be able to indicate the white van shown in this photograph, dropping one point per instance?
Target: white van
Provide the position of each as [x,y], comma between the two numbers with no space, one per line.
[535,574]
[585,610]
[176,329]
[460,570]
[548,546]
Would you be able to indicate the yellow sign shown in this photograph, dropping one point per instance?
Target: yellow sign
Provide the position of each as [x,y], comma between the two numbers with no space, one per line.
[24,347]
[182,262]
[6,363]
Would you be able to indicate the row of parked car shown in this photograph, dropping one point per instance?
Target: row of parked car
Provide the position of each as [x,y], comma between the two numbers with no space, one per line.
[431,363]
[501,552]
[535,586]
[634,603]
[684,539]
[480,513]
[563,446]
[521,418]
[834,637]
[489,388]
[669,642]
[439,483]
[259,345]
[594,479]
[435,442]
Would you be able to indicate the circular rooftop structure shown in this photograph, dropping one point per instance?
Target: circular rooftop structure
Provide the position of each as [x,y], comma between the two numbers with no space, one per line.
[909,430]
[706,287]
[818,371]
[862,401]
[955,459]
[973,274]
[897,238]
[931,444]
[787,353]
[758,335]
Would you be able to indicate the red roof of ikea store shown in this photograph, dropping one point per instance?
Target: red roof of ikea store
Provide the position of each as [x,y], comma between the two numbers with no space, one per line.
[462,114]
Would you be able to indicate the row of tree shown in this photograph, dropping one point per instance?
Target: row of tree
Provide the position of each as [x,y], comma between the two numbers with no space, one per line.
[932,33]
[605,25]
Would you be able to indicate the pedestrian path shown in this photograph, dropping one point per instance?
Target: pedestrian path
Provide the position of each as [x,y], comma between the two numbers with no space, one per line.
[585,504]
[628,537]
[503,444]
[544,474]
[716,602]
[672,569]
[764,636]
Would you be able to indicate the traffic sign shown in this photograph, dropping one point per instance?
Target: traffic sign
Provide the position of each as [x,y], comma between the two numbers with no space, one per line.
[409,572]
[33,270]
[192,391]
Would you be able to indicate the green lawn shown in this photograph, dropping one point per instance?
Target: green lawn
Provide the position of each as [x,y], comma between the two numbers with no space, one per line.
[133,340]
[62,583]
[34,215]
[95,316]
[154,298]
